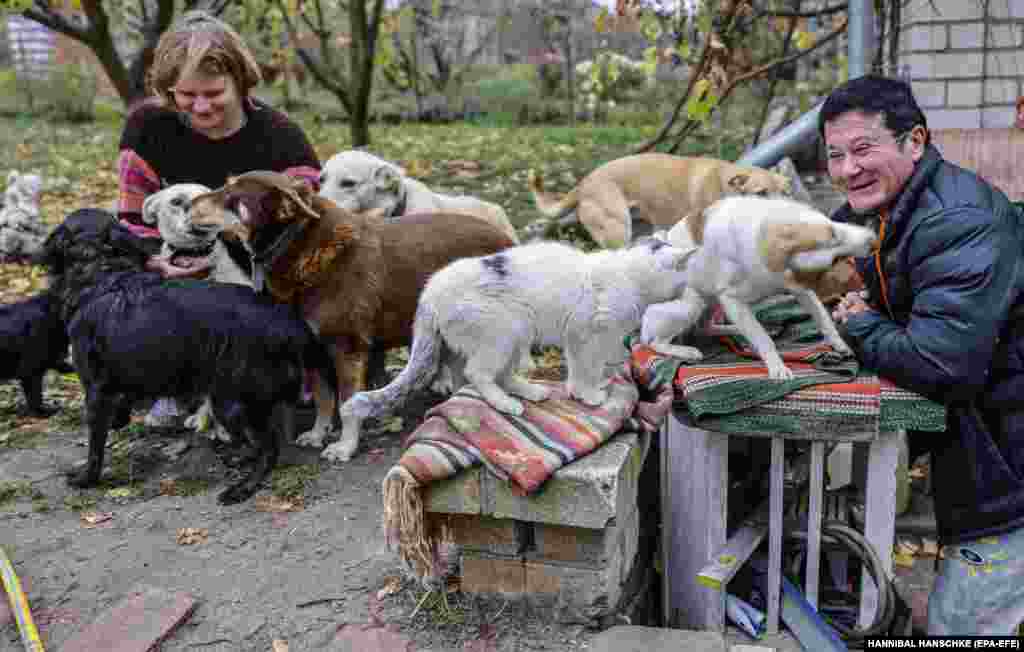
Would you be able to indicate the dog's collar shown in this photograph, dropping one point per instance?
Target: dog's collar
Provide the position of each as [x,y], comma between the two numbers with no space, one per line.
[399,209]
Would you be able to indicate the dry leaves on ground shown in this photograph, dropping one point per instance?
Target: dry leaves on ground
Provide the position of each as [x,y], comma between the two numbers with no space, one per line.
[392,586]
[188,536]
[279,645]
[279,504]
[95,519]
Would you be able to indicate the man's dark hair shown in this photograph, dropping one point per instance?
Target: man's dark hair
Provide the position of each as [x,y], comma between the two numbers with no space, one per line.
[892,98]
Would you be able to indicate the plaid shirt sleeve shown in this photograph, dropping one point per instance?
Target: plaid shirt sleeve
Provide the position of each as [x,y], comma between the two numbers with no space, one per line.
[136,181]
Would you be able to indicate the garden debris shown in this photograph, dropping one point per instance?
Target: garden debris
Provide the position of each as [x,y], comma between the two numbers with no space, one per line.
[903,555]
[168,487]
[279,504]
[188,536]
[279,645]
[487,641]
[463,168]
[95,519]
[393,586]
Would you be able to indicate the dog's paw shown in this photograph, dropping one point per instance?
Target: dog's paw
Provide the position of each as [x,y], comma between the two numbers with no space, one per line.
[340,451]
[313,438]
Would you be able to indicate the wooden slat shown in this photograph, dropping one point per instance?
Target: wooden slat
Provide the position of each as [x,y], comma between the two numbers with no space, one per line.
[737,550]
[879,515]
[776,474]
[814,506]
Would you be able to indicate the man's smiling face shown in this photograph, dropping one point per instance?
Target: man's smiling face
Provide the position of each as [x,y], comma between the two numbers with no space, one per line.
[867,161]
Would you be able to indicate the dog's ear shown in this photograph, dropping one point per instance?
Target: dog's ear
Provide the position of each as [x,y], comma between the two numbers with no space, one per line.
[387,179]
[780,241]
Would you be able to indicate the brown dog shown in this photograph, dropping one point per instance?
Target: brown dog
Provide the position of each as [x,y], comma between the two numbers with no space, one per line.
[355,277]
[662,188]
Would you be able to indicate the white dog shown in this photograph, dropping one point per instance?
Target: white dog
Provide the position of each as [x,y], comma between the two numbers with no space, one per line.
[747,249]
[485,312]
[188,245]
[359,181]
[21,227]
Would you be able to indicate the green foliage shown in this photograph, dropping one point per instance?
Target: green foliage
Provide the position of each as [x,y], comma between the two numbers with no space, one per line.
[71,92]
[507,96]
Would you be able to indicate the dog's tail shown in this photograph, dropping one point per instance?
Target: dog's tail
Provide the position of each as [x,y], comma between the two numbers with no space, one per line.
[549,204]
[424,361]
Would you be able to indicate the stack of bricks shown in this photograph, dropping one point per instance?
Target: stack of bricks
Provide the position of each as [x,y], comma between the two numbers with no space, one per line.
[964,60]
[569,551]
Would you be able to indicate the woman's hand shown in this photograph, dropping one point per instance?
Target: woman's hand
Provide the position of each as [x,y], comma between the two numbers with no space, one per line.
[851,304]
[169,270]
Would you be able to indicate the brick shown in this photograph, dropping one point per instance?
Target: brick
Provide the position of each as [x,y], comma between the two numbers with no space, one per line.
[962,65]
[954,119]
[480,533]
[571,594]
[930,94]
[1008,63]
[942,10]
[998,116]
[1001,91]
[964,94]
[1004,36]
[967,36]
[490,575]
[136,624]
[460,494]
[1008,9]
[923,38]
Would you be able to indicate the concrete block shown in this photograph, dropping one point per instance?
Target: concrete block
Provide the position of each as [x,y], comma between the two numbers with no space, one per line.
[492,575]
[954,119]
[571,594]
[967,36]
[928,38]
[587,493]
[1001,91]
[586,546]
[631,638]
[460,494]
[930,94]
[964,94]
[136,624]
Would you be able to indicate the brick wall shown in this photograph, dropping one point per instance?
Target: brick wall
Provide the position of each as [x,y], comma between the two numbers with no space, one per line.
[965,63]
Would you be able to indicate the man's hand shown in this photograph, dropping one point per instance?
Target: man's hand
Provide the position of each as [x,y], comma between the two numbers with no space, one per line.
[169,270]
[851,304]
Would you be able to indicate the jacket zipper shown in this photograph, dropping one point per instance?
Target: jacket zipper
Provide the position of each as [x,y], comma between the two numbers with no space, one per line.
[884,216]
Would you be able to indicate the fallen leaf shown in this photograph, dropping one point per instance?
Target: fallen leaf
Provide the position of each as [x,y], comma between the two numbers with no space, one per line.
[123,492]
[168,487]
[278,504]
[93,519]
[393,585]
[188,536]
[906,547]
[391,424]
[929,548]
[902,559]
[279,645]
[918,472]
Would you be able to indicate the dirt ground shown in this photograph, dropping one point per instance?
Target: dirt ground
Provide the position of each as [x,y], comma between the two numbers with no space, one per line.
[302,561]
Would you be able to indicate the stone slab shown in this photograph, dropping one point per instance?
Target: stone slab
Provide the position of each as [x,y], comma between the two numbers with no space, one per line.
[587,493]
[138,623]
[632,638]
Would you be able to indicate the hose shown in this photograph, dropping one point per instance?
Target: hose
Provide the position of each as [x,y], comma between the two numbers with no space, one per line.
[837,532]
[19,606]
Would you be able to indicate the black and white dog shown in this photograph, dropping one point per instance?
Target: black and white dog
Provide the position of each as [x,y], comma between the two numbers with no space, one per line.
[135,335]
[32,340]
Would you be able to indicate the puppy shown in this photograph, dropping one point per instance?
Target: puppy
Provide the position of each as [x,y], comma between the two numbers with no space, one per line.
[187,244]
[32,340]
[359,181]
[746,249]
[484,312]
[135,335]
[660,188]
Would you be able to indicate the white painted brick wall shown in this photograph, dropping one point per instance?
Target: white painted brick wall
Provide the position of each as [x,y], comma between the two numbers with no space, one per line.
[966,36]
[997,116]
[964,94]
[923,37]
[943,10]
[1005,63]
[943,65]
[930,95]
[1005,35]
[953,118]
[1001,91]
[1006,9]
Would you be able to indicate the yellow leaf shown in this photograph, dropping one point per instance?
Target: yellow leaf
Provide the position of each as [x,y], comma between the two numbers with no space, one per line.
[601,21]
[393,585]
[804,40]
[907,561]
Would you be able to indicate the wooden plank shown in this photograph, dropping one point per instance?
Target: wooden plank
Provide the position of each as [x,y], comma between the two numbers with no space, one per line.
[879,515]
[694,480]
[737,550]
[814,507]
[776,476]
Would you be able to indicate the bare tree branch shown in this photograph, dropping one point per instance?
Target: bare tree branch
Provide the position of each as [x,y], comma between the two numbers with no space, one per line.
[826,11]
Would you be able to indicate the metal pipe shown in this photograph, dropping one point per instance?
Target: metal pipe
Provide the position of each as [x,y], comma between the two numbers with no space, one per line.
[801,132]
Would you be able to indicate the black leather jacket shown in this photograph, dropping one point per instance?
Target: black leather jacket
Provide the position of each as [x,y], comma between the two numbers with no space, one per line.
[945,326]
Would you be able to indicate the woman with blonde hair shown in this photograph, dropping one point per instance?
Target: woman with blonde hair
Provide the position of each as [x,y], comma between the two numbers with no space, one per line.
[201,125]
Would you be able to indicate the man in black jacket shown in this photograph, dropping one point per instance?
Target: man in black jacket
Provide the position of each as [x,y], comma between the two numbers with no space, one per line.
[942,315]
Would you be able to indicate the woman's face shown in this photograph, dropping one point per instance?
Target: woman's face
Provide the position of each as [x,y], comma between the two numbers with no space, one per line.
[211,102]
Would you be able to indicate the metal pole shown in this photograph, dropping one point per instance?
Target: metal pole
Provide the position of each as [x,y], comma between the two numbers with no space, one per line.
[860,38]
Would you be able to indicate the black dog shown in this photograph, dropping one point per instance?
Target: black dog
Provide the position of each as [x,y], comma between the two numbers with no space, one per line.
[135,335]
[32,340]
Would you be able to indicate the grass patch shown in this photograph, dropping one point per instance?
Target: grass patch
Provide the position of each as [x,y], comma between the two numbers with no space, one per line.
[12,491]
[191,486]
[291,481]
[80,502]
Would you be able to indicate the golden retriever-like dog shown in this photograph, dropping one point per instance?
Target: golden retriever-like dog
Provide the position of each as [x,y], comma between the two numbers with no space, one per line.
[355,277]
[661,188]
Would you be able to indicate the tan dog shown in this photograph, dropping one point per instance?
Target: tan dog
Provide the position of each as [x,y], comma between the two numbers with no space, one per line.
[355,277]
[747,249]
[662,188]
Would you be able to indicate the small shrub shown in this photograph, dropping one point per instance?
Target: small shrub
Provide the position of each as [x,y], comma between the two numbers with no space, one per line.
[498,96]
[71,92]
